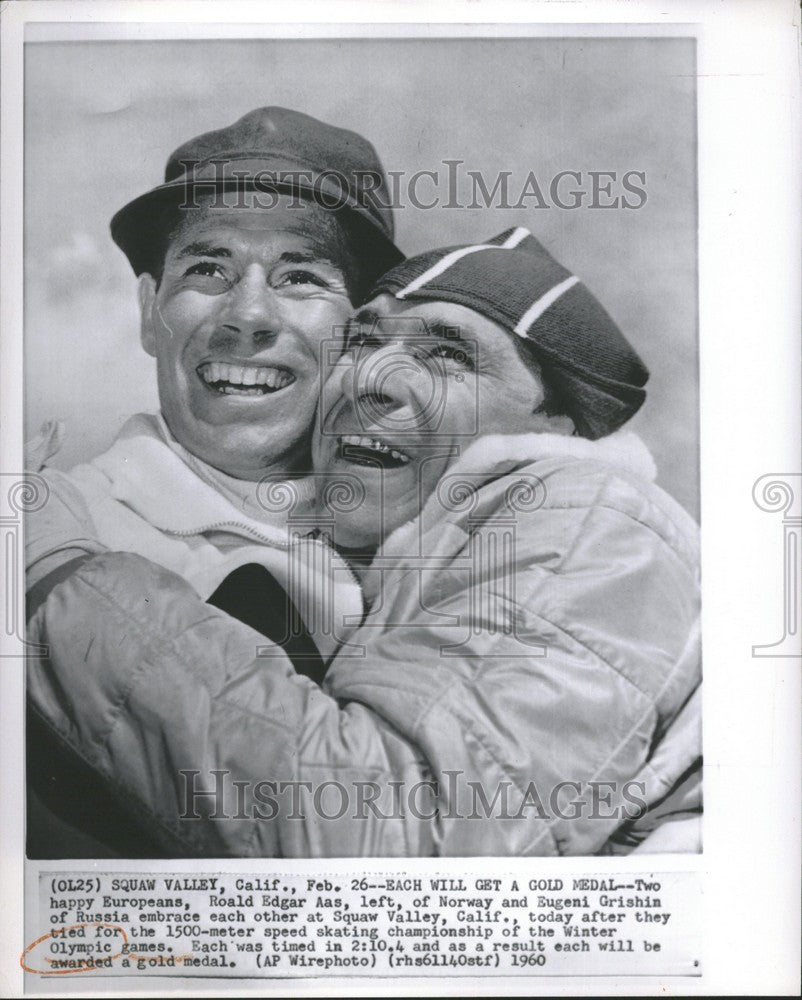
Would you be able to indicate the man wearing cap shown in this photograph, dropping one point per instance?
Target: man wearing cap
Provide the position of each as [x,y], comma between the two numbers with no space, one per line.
[530,648]
[249,257]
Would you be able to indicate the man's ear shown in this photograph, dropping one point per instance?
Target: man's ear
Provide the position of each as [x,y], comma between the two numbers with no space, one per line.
[147,298]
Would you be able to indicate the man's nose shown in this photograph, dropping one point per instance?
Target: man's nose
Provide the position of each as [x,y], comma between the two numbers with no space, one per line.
[251,308]
[393,386]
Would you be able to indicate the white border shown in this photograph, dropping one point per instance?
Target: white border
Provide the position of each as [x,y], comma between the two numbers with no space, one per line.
[750,268]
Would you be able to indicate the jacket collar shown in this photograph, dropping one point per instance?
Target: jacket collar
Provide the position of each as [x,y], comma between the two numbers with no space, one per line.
[498,453]
[145,458]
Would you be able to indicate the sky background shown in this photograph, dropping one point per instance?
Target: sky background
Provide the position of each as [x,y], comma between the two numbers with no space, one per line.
[101,119]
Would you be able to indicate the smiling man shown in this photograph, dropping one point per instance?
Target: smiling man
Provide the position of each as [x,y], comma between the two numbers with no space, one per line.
[249,256]
[247,261]
[425,376]
[246,296]
[525,680]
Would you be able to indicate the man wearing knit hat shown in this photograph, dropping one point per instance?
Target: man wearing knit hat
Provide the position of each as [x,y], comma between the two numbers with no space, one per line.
[530,647]
[506,340]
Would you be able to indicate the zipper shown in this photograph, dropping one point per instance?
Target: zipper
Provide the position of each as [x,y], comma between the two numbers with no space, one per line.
[220,526]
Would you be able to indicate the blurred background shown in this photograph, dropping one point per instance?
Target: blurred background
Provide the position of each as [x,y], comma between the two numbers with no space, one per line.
[101,119]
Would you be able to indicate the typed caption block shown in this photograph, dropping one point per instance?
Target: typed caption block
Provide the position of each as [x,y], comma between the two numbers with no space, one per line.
[259,926]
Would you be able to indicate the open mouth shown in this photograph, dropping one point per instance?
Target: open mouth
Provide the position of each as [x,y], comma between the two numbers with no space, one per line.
[370,451]
[244,380]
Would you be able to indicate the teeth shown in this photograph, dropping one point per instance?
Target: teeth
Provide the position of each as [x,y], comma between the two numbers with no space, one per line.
[244,375]
[373,444]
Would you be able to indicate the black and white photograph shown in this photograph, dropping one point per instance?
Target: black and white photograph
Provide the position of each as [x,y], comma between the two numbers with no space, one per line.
[423,421]
[361,520]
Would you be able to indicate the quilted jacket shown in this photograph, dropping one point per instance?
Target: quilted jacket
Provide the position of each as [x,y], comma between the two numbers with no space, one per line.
[525,681]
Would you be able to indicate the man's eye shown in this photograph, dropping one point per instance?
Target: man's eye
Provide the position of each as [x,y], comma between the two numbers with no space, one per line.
[302,278]
[206,269]
[452,352]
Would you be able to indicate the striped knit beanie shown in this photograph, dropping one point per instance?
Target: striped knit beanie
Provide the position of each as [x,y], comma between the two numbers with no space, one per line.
[515,282]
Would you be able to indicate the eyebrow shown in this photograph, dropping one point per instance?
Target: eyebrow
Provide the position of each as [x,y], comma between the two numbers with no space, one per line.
[203,250]
[451,332]
[439,328]
[200,249]
[306,257]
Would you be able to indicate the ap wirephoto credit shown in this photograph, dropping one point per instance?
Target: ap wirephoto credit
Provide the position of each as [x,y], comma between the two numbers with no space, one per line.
[359,539]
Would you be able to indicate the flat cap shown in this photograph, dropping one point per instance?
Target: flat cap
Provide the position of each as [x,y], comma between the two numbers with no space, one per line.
[269,149]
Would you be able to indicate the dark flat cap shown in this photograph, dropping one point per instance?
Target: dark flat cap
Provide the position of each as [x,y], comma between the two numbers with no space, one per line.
[269,149]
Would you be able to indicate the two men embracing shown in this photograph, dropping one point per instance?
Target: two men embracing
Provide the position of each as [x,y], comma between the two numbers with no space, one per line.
[384,576]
